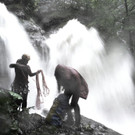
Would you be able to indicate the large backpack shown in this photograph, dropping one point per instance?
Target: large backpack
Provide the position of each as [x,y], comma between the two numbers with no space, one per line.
[58,110]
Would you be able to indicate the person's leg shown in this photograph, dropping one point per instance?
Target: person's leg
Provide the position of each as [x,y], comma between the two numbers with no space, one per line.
[69,120]
[77,116]
[24,103]
[74,104]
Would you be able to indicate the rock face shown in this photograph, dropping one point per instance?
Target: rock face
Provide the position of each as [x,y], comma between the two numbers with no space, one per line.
[16,122]
[53,14]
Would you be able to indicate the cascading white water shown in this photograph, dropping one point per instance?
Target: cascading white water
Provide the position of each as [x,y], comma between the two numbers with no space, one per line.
[14,42]
[108,74]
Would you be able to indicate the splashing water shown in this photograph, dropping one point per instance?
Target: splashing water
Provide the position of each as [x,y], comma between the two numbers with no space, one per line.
[15,42]
[108,74]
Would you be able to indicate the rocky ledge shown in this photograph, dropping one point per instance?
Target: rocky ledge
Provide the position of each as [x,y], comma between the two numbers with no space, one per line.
[16,122]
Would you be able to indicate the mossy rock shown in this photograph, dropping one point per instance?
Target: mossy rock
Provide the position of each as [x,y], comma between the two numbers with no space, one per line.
[9,100]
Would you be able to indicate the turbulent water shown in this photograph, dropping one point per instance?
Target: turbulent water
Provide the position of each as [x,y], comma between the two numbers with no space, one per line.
[14,42]
[107,72]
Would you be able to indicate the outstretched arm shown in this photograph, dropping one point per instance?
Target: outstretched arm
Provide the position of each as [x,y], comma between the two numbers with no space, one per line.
[32,74]
[12,65]
[25,68]
[17,65]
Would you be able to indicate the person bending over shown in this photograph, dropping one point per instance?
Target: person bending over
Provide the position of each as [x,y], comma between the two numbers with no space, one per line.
[74,86]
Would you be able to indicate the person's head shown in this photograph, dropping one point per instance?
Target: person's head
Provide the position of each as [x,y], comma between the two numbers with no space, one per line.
[25,58]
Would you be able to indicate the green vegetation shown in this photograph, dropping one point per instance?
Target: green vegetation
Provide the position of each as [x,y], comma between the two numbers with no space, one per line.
[113,18]
[9,102]
[31,5]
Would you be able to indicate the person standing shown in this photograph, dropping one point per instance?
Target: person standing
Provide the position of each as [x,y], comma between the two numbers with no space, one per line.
[20,83]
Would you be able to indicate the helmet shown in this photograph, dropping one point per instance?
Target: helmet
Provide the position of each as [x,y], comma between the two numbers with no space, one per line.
[26,57]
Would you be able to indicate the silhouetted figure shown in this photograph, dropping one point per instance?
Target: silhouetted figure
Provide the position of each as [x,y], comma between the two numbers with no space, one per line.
[74,86]
[22,71]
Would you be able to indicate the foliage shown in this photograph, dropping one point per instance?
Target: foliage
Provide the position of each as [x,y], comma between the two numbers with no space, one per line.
[30,5]
[112,17]
[15,95]
[109,16]
[9,102]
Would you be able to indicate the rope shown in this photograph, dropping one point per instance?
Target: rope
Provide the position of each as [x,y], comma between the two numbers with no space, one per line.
[39,92]
[46,90]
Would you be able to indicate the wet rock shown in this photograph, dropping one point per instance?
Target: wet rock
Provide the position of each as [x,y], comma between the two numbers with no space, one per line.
[9,102]
[16,122]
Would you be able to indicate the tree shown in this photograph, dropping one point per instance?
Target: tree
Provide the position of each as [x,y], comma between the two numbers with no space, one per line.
[129,24]
[115,19]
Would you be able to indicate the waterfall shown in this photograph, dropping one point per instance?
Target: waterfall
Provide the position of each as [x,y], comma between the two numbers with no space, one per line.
[107,72]
[14,42]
